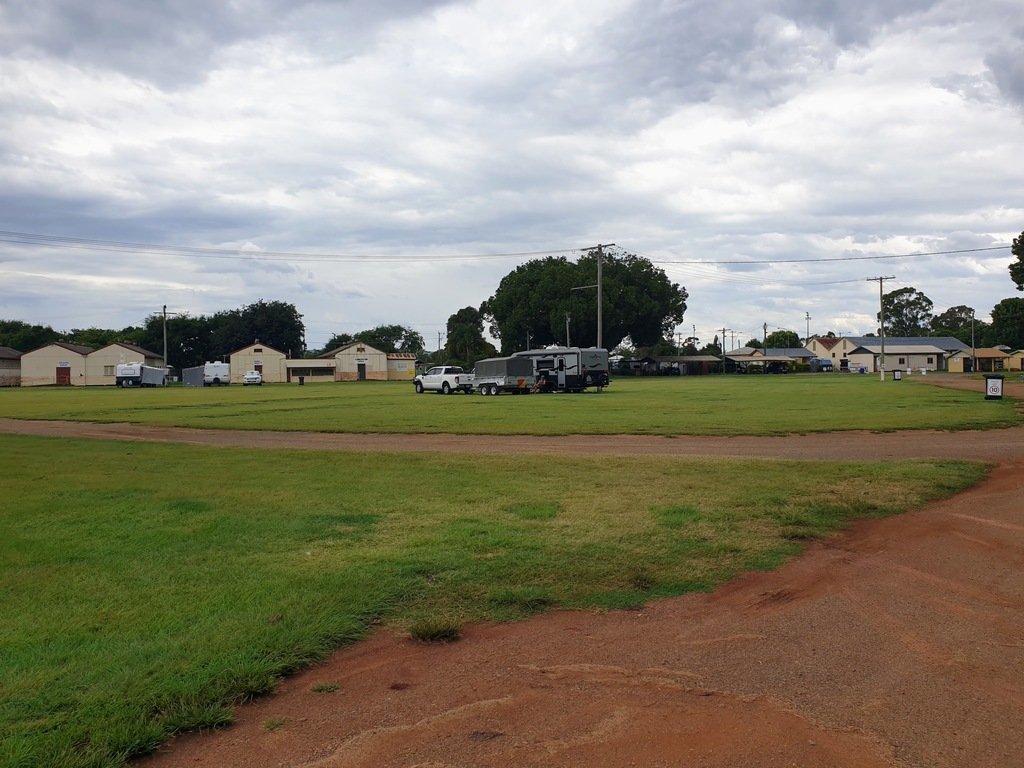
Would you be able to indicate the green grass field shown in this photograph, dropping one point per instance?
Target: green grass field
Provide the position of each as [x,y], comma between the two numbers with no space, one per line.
[700,405]
[146,588]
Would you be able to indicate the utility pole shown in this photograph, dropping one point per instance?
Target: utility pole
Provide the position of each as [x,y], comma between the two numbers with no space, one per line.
[600,260]
[881,317]
[567,342]
[165,338]
[807,338]
[974,361]
[723,347]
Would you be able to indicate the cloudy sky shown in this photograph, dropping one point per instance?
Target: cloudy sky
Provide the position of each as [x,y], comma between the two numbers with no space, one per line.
[389,161]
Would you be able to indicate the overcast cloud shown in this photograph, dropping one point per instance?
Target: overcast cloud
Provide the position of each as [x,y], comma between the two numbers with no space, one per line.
[401,134]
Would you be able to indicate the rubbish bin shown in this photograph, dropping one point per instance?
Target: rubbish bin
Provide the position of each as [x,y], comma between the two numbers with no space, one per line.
[993,386]
[302,380]
[897,375]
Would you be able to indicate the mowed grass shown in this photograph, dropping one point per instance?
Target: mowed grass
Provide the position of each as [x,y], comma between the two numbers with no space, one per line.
[699,405]
[146,588]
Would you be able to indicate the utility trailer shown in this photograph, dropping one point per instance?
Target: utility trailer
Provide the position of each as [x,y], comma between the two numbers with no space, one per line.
[139,375]
[504,374]
[568,369]
[207,375]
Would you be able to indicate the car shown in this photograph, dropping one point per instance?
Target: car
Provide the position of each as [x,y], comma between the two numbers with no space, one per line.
[252,377]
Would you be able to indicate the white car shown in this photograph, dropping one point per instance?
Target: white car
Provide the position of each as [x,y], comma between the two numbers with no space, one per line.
[252,377]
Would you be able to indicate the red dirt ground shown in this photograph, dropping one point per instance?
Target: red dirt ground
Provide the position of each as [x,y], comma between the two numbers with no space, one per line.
[899,642]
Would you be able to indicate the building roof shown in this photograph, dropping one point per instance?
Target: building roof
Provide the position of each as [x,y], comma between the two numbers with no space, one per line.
[945,343]
[9,353]
[343,347]
[78,349]
[134,348]
[906,349]
[257,342]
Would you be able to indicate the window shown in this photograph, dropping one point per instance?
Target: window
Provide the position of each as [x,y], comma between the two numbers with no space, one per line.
[257,350]
[903,361]
[109,370]
[931,361]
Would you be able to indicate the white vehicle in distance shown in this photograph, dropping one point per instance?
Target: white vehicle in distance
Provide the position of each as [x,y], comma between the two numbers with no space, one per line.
[444,379]
[252,377]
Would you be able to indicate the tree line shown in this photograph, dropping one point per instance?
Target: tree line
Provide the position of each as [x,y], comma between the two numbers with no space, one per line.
[539,303]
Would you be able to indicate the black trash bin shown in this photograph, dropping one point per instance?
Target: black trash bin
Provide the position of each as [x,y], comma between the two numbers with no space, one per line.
[302,380]
[993,386]
[897,375]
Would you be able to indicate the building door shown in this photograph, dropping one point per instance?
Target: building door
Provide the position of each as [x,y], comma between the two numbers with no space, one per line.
[361,369]
[64,377]
[259,368]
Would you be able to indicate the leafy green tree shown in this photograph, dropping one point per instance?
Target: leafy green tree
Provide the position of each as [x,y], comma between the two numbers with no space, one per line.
[188,339]
[783,340]
[754,343]
[1008,324]
[101,337]
[24,337]
[277,324]
[465,340]
[392,338]
[531,303]
[908,312]
[337,340]
[1017,267]
[958,322]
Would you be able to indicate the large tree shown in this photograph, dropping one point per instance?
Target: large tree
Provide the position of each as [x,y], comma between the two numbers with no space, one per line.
[393,338]
[960,323]
[535,302]
[783,340]
[1008,323]
[24,337]
[908,312]
[465,337]
[277,324]
[1017,267]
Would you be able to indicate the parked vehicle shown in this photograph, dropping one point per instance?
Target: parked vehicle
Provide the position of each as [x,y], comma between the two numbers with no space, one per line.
[252,377]
[139,375]
[445,379]
[503,374]
[207,375]
[568,369]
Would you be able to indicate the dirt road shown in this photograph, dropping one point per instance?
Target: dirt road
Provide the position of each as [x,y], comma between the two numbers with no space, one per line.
[898,643]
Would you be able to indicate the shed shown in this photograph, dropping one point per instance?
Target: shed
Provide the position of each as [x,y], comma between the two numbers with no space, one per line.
[260,357]
[10,367]
[101,364]
[401,366]
[358,361]
[55,363]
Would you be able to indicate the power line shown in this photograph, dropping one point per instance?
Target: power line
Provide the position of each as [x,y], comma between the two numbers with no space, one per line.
[57,241]
[829,258]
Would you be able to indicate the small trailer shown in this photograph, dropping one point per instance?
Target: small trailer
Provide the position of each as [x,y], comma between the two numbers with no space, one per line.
[504,374]
[139,375]
[568,369]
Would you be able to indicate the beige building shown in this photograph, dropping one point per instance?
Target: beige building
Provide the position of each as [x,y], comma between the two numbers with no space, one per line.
[10,367]
[259,357]
[401,366]
[985,360]
[55,363]
[358,361]
[101,364]
[930,353]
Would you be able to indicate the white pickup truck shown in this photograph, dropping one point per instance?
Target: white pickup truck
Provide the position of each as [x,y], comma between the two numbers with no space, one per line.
[445,379]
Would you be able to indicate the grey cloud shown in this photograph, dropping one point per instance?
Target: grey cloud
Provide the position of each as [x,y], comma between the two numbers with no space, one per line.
[1007,67]
[173,43]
